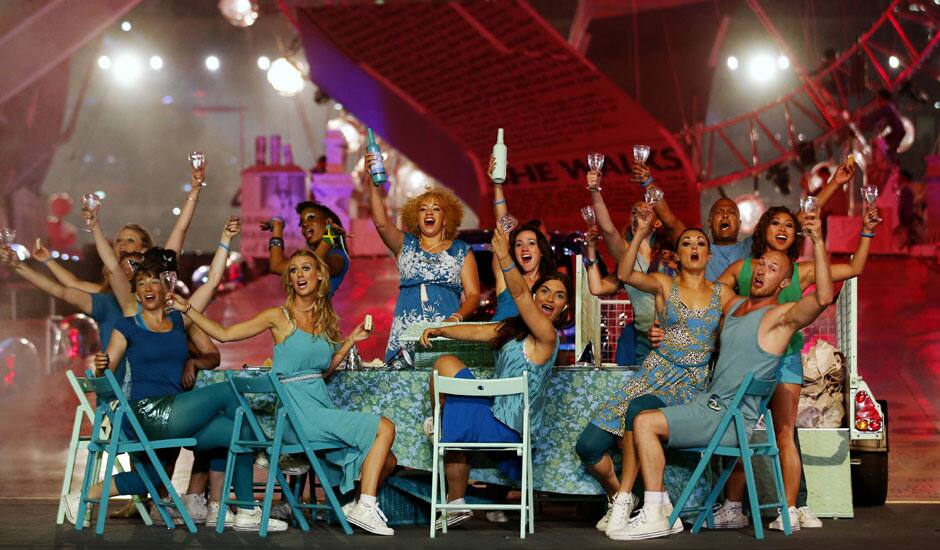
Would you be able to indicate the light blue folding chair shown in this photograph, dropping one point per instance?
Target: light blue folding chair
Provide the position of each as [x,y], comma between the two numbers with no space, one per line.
[285,418]
[126,436]
[444,385]
[743,451]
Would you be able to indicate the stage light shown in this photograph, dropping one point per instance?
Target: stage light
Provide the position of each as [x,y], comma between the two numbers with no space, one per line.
[762,68]
[126,26]
[65,257]
[733,63]
[894,62]
[213,63]
[55,254]
[783,62]
[338,106]
[241,13]
[350,133]
[167,100]
[156,62]
[127,68]
[104,62]
[751,207]
[176,211]
[101,194]
[285,78]
[936,104]
[21,251]
[264,63]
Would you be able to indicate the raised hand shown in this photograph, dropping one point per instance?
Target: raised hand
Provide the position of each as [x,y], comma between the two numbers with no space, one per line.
[198,176]
[812,226]
[500,243]
[594,181]
[8,257]
[232,228]
[491,167]
[591,236]
[178,303]
[641,173]
[644,219]
[40,252]
[359,333]
[845,172]
[90,216]
[870,220]
[275,224]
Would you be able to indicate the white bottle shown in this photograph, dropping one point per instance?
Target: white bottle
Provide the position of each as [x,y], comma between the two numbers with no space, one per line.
[499,155]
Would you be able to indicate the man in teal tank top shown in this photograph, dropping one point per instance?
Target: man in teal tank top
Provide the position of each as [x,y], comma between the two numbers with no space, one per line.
[755,334]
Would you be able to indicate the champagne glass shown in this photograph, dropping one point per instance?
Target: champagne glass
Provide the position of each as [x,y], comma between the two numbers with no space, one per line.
[168,278]
[641,153]
[595,161]
[91,202]
[870,196]
[808,205]
[590,218]
[7,236]
[197,159]
[653,195]
[507,223]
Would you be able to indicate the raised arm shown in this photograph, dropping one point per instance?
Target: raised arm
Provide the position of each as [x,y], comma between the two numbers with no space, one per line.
[615,243]
[120,285]
[266,320]
[599,286]
[626,267]
[809,307]
[277,260]
[67,278]
[78,298]
[539,325]
[843,175]
[500,208]
[674,225]
[203,295]
[730,276]
[178,235]
[391,235]
[470,281]
[856,266]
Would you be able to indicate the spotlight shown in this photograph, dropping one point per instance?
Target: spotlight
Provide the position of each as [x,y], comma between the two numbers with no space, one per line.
[176,211]
[213,63]
[762,68]
[264,63]
[733,63]
[104,62]
[936,104]
[783,62]
[127,68]
[285,78]
[126,26]
[751,207]
[101,194]
[156,62]
[338,106]
[894,62]
[241,13]
[167,100]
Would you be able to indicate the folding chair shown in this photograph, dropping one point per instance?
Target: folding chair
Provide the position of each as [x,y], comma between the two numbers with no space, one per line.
[482,388]
[744,450]
[78,441]
[122,440]
[285,418]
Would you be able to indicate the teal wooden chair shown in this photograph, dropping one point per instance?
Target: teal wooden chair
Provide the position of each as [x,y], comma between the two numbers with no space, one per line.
[126,436]
[84,412]
[285,421]
[444,385]
[743,451]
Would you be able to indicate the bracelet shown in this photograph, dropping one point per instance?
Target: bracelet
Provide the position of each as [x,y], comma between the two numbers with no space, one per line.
[868,235]
[277,218]
[275,242]
[597,188]
[647,182]
[458,316]
[588,262]
[500,201]
[192,199]
[47,260]
[508,269]
[187,309]
[225,246]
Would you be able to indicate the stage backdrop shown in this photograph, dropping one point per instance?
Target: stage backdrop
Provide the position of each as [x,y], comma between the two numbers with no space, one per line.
[436,80]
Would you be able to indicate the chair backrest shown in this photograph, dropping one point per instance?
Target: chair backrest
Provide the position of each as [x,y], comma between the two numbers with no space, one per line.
[109,391]
[105,387]
[82,386]
[482,387]
[243,385]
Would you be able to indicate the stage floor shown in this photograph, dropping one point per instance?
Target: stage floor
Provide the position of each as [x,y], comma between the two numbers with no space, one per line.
[899,351]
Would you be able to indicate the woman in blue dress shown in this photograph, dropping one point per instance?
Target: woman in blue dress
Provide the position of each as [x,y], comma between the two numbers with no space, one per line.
[323,231]
[307,349]
[689,309]
[524,343]
[434,267]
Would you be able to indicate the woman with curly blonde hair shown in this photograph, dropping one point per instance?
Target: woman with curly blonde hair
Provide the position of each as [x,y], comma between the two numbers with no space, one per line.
[307,349]
[435,268]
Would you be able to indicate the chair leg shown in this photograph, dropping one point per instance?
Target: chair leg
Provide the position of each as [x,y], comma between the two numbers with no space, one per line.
[141,509]
[531,501]
[434,490]
[328,490]
[106,488]
[75,444]
[294,501]
[690,486]
[86,483]
[523,513]
[706,513]
[442,477]
[752,496]
[226,484]
[781,495]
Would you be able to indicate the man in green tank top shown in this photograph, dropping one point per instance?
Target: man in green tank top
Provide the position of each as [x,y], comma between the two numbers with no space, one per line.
[755,334]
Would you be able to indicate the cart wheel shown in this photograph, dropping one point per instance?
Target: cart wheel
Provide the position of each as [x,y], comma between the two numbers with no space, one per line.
[870,474]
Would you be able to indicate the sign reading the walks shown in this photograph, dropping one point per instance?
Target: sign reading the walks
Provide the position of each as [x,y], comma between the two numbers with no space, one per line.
[437,80]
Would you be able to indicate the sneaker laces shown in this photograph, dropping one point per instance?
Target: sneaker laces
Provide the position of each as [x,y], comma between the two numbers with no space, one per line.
[380,513]
[617,509]
[638,518]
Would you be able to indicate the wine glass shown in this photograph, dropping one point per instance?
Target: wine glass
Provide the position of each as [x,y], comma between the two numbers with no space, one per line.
[641,153]
[870,196]
[168,278]
[507,223]
[7,236]
[197,159]
[595,161]
[91,202]
[808,205]
[653,195]
[590,218]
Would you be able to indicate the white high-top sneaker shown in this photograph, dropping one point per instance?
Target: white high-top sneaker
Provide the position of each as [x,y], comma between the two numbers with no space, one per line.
[250,520]
[370,518]
[648,523]
[622,507]
[777,524]
[212,515]
[730,516]
[195,506]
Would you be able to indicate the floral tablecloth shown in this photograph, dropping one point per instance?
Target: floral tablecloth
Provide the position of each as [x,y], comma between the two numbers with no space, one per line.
[573,397]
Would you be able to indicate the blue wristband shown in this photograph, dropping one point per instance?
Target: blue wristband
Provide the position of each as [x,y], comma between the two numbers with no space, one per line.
[647,182]
[500,201]
[869,235]
[508,269]
[225,246]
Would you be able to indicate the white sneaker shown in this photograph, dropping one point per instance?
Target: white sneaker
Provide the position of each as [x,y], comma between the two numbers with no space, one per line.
[370,518]
[601,524]
[777,524]
[497,516]
[250,520]
[730,516]
[646,524]
[195,506]
[621,508]
[677,526]
[808,519]
[170,509]
[454,517]
[428,427]
[212,515]
[348,507]
[72,502]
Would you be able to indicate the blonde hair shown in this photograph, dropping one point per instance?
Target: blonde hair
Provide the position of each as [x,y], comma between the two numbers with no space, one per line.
[146,243]
[453,212]
[325,320]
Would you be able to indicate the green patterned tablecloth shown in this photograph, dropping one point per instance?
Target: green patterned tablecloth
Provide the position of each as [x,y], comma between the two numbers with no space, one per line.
[573,397]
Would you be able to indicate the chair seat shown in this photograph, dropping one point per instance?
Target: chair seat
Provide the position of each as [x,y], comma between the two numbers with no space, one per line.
[132,447]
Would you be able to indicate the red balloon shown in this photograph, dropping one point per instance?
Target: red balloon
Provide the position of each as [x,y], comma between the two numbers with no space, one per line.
[60,204]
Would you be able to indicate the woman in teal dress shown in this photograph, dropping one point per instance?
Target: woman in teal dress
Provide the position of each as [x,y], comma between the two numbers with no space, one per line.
[689,310]
[525,343]
[307,348]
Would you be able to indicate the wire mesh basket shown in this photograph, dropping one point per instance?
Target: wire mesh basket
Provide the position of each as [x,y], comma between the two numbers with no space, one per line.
[475,355]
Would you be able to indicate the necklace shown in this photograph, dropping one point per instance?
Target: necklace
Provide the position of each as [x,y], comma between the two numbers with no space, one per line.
[431,248]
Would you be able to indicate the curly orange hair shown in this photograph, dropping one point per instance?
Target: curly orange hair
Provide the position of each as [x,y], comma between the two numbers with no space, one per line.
[453,212]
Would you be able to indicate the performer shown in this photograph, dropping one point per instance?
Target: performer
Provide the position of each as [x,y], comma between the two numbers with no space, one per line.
[323,231]
[525,343]
[307,349]
[755,335]
[689,308]
[435,268]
